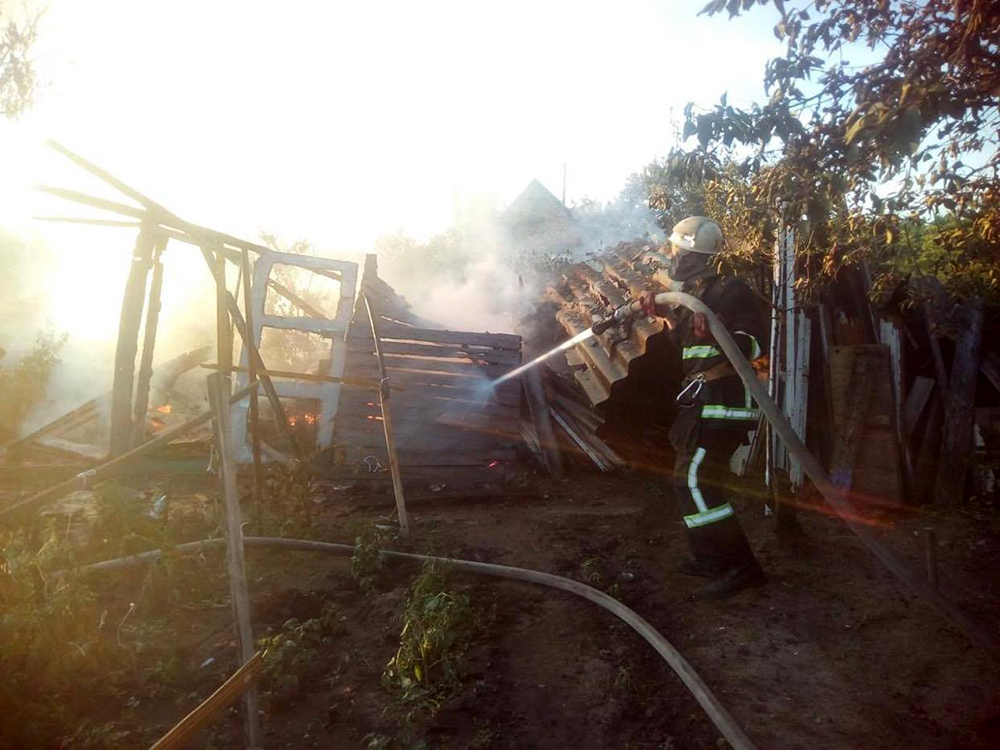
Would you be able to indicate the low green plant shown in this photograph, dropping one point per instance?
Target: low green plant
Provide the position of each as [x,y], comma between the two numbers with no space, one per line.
[485,737]
[438,628]
[293,653]
[595,571]
[368,559]
[58,639]
[74,641]
[592,571]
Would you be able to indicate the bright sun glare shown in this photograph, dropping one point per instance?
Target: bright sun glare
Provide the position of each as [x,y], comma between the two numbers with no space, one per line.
[339,122]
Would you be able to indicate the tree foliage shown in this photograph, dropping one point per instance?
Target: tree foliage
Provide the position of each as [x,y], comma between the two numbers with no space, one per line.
[23,386]
[854,153]
[17,70]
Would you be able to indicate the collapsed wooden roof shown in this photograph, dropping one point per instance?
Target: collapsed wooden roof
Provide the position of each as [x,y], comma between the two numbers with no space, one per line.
[450,425]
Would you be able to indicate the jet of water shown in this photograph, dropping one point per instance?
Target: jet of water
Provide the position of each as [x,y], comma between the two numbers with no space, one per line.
[583,336]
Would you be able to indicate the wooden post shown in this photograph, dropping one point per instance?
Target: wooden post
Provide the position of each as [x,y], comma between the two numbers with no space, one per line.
[254,408]
[390,439]
[224,335]
[128,340]
[254,354]
[940,374]
[218,392]
[148,344]
[890,336]
[956,434]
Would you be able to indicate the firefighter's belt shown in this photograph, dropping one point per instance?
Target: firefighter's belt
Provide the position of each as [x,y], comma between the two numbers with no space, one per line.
[760,366]
[721,370]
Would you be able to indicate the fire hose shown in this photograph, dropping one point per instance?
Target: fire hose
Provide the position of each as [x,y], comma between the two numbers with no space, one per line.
[723,721]
[834,495]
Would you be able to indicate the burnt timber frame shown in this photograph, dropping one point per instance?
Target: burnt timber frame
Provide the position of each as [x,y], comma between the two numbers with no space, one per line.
[156,226]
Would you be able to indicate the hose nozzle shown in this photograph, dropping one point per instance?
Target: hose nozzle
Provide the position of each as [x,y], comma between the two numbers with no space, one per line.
[621,315]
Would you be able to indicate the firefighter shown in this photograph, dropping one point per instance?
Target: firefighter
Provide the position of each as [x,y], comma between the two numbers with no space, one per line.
[715,410]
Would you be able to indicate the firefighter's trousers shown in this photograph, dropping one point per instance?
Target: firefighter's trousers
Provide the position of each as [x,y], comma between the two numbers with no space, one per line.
[701,471]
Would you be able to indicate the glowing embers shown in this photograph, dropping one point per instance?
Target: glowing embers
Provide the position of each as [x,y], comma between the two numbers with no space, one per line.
[157,423]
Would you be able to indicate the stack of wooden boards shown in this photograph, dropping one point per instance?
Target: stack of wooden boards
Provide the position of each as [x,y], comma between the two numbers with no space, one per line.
[451,427]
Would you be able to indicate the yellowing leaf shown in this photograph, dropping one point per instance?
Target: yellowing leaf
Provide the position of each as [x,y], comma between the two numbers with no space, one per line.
[852,132]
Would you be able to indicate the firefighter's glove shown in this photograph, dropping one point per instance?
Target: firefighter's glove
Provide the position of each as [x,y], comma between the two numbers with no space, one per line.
[647,302]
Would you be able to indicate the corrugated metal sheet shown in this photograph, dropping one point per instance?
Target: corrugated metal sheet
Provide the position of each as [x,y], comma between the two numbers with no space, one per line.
[596,288]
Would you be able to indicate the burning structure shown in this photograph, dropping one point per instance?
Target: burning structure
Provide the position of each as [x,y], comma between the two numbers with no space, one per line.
[447,418]
[393,396]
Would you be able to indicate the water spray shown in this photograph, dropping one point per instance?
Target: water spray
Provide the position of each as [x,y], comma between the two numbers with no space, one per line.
[620,316]
[582,336]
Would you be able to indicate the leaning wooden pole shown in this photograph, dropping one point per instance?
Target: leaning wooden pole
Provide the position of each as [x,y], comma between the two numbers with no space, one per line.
[254,407]
[390,438]
[128,341]
[228,693]
[148,344]
[218,389]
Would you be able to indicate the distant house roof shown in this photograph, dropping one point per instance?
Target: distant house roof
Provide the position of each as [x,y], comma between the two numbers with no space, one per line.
[537,224]
[535,204]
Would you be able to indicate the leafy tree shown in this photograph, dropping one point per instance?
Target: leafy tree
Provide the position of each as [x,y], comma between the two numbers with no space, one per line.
[23,386]
[17,70]
[855,153]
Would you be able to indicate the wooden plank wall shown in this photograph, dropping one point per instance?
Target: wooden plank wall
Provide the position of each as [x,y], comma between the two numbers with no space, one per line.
[875,478]
[448,423]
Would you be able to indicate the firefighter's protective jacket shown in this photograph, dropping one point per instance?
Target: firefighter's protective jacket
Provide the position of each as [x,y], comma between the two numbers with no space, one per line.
[723,401]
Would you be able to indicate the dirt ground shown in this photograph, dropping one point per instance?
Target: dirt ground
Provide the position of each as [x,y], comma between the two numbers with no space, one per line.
[832,653]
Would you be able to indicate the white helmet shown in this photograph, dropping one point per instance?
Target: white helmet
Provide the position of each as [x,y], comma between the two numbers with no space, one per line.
[697,234]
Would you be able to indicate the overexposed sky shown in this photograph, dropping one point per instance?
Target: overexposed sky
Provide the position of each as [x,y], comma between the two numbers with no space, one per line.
[339,122]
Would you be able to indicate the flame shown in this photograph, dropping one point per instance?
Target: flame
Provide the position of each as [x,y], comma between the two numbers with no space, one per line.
[310,418]
[165,409]
[292,421]
[156,423]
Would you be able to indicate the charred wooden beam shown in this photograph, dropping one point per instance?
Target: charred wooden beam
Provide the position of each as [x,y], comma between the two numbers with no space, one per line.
[128,334]
[148,344]
[254,410]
